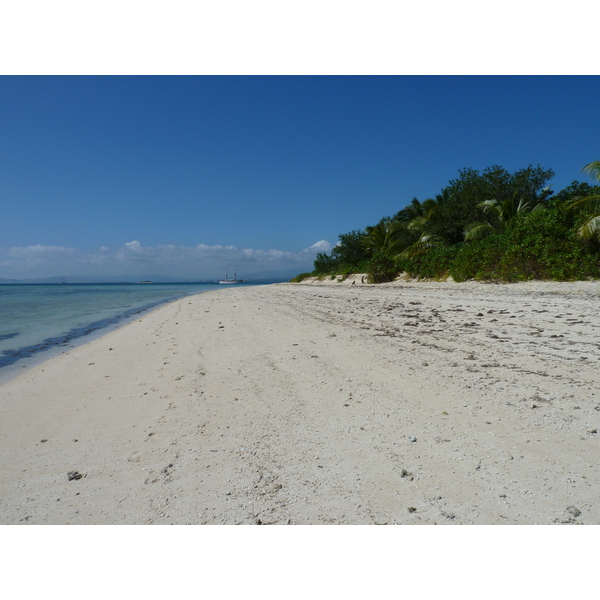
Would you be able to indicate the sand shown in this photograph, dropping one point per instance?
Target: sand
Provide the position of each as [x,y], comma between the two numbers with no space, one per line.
[326,403]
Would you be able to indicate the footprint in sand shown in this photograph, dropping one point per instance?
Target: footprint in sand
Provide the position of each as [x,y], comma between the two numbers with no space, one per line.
[135,457]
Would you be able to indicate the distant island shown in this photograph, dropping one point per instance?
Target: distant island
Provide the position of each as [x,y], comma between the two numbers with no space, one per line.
[129,280]
[490,225]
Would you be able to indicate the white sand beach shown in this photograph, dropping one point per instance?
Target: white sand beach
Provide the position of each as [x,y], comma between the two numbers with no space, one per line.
[334,403]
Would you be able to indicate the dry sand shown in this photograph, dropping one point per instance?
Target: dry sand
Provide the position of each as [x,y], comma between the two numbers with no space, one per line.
[408,403]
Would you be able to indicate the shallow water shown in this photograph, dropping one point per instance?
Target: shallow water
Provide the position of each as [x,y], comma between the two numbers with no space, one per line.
[37,318]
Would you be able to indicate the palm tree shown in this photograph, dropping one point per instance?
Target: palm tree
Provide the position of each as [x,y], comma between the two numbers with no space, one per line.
[416,210]
[498,213]
[590,228]
[417,217]
[593,169]
[387,237]
[426,242]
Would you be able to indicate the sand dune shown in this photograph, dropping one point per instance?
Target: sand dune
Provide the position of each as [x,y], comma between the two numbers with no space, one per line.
[408,403]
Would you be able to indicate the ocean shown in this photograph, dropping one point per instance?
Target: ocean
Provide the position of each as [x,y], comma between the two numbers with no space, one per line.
[35,319]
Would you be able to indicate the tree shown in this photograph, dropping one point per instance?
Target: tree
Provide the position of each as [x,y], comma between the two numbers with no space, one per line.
[350,250]
[573,192]
[415,210]
[463,196]
[590,206]
[498,214]
[324,264]
[593,169]
[387,238]
[419,219]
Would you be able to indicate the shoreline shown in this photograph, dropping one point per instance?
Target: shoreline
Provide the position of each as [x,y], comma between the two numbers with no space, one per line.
[31,356]
[69,340]
[470,403]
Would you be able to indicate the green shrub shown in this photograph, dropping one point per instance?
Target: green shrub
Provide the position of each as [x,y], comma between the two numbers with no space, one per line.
[546,247]
[543,246]
[479,259]
[381,269]
[344,271]
[434,264]
[324,264]
[300,277]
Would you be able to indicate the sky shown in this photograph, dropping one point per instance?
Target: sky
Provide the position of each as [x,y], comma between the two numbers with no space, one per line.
[191,176]
[187,141]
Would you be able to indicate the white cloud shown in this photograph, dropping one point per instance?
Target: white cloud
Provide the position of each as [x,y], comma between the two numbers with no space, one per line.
[134,246]
[321,246]
[135,259]
[34,258]
[40,251]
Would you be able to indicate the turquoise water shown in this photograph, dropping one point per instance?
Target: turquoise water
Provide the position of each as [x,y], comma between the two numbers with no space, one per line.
[37,318]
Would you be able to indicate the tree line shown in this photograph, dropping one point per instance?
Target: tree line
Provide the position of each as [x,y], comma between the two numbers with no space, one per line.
[489,225]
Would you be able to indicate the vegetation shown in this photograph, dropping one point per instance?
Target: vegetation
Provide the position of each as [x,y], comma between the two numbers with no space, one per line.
[483,225]
[300,277]
[589,206]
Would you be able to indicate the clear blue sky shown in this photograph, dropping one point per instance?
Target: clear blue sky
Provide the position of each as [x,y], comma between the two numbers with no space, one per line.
[90,164]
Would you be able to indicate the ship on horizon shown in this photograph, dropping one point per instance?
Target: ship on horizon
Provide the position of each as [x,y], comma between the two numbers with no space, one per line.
[234,280]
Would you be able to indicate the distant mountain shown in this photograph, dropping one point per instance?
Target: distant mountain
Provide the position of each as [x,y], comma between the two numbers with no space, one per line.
[101,279]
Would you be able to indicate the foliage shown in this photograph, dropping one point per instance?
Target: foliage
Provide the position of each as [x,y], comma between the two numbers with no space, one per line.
[324,264]
[300,277]
[479,259]
[387,238]
[416,210]
[381,268]
[489,225]
[498,214]
[544,247]
[346,270]
[418,217]
[430,265]
[463,196]
[424,245]
[593,169]
[350,255]
[350,249]
[574,191]
[589,228]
